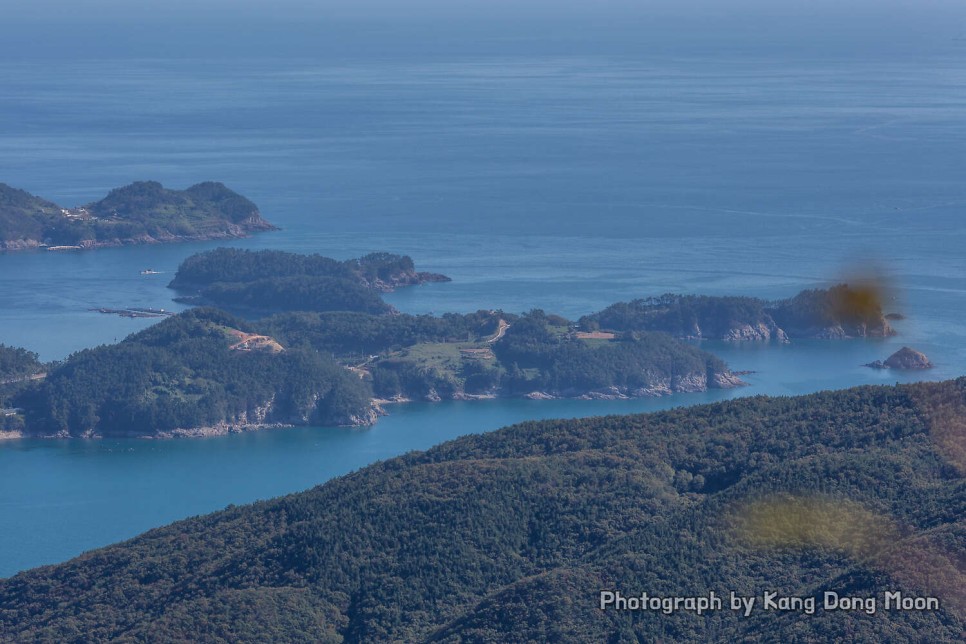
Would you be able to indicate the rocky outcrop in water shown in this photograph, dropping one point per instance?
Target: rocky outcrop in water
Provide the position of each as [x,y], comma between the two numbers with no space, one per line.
[904,359]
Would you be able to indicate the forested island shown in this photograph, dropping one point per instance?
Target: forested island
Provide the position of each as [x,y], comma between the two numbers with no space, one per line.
[143,212]
[199,373]
[842,311]
[309,340]
[512,535]
[269,280]
[206,372]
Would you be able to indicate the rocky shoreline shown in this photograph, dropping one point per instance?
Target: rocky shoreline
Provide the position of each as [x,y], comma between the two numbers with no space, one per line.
[232,231]
[693,383]
[683,384]
[408,279]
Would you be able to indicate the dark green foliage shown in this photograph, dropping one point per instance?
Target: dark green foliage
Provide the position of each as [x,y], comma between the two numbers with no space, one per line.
[227,265]
[538,352]
[817,312]
[398,377]
[351,334]
[22,215]
[381,266]
[202,208]
[510,536]
[679,315]
[17,367]
[237,265]
[143,208]
[182,374]
[568,365]
[299,293]
[16,363]
[270,280]
[478,378]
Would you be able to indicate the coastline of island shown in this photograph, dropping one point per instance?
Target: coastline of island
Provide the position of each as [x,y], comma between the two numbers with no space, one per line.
[567,505]
[283,340]
[144,212]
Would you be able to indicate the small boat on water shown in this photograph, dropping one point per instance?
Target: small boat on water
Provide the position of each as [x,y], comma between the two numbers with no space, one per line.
[150,271]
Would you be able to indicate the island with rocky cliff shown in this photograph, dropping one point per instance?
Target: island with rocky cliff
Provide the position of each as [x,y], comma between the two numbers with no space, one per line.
[306,339]
[144,212]
[332,352]
[905,359]
[200,373]
[271,281]
[206,372]
[842,311]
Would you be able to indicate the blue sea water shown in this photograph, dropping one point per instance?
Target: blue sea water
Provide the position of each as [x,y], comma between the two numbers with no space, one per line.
[556,182]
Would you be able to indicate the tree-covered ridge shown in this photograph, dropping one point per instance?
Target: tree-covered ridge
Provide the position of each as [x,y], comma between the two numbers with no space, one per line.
[496,354]
[198,371]
[510,536]
[22,215]
[18,369]
[143,199]
[837,312]
[204,371]
[354,336]
[636,364]
[271,280]
[141,212]
[17,363]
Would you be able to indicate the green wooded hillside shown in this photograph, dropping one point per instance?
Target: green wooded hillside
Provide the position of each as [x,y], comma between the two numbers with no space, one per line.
[140,212]
[273,280]
[186,372]
[510,536]
[837,312]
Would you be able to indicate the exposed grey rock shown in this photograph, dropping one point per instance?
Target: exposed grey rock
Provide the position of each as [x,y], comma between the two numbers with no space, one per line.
[905,358]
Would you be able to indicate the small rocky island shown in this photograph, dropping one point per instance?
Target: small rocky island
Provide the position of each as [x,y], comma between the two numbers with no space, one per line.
[842,311]
[144,212]
[270,281]
[905,358]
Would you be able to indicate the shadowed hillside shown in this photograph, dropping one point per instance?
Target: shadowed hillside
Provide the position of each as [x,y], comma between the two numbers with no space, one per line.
[511,536]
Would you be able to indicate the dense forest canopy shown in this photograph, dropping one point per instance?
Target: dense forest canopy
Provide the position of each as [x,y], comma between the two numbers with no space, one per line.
[23,215]
[354,335]
[191,371]
[564,362]
[839,311]
[149,200]
[207,370]
[340,337]
[141,211]
[16,363]
[491,353]
[18,367]
[510,536]
[269,280]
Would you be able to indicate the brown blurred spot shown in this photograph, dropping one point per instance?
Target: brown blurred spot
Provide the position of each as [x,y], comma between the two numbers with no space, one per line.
[798,521]
[858,301]
[914,560]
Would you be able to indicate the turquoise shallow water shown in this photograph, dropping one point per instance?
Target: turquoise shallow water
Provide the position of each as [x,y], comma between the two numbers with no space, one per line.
[561,183]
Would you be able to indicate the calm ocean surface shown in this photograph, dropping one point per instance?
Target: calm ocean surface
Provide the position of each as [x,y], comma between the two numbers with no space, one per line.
[562,183]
